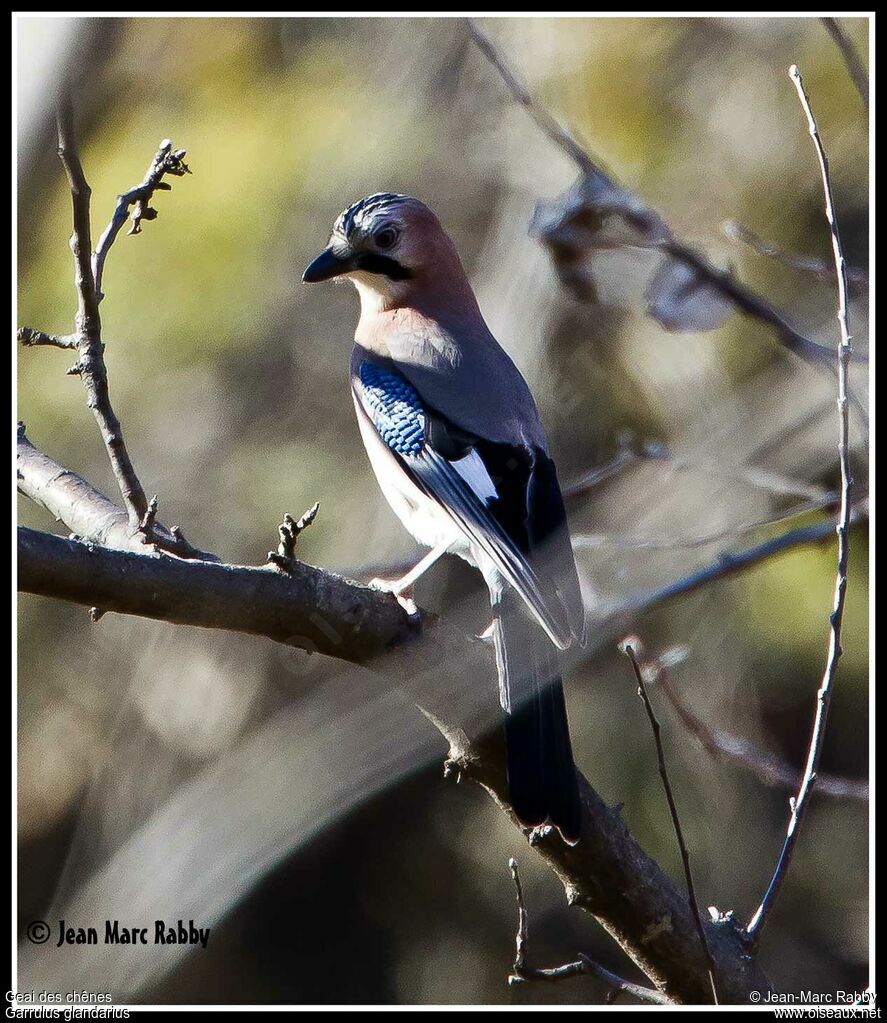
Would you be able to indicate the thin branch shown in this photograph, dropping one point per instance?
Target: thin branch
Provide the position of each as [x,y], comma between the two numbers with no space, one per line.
[722,281]
[746,300]
[624,457]
[730,563]
[631,541]
[556,132]
[631,451]
[675,819]
[853,61]
[583,966]
[766,766]
[824,271]
[91,361]
[30,337]
[166,161]
[823,697]
[88,321]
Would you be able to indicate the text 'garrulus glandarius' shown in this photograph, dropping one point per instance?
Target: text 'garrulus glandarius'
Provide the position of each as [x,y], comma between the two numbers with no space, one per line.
[455,440]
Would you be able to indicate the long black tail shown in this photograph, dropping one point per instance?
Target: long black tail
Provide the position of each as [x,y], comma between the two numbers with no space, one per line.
[541,773]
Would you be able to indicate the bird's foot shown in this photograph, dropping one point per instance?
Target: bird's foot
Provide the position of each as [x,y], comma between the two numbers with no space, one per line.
[402,593]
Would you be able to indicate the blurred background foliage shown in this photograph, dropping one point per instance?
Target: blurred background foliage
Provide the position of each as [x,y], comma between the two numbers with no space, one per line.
[365,877]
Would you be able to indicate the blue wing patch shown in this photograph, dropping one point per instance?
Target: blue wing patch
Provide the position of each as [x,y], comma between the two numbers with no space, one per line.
[395,409]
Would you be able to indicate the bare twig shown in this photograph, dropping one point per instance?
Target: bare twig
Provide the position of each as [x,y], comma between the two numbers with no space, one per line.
[730,563]
[661,238]
[166,161]
[631,450]
[521,973]
[855,66]
[766,766]
[30,336]
[289,531]
[825,271]
[631,541]
[675,819]
[556,132]
[823,697]
[624,457]
[146,526]
[93,372]
[747,301]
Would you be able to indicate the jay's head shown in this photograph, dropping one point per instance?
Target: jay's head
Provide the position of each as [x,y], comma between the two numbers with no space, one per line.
[392,247]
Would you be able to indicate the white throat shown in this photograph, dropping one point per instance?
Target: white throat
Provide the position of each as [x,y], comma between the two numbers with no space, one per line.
[377,292]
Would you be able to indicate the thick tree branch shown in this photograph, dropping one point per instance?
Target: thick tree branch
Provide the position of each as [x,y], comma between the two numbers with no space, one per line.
[824,695]
[607,874]
[87,512]
[307,607]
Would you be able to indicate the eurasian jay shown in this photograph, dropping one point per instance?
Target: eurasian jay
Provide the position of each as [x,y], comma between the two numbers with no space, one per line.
[454,438]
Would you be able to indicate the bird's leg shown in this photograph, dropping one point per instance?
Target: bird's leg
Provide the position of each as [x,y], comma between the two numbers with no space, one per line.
[403,588]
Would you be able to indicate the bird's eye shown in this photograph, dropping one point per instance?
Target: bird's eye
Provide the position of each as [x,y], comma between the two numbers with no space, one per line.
[385,237]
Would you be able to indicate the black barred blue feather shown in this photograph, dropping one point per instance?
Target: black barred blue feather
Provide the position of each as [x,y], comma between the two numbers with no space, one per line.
[394,408]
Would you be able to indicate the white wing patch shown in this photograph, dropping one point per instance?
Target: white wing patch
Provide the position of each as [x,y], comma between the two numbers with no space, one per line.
[472,469]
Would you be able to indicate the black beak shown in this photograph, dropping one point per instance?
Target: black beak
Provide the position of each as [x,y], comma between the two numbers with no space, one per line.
[328,264]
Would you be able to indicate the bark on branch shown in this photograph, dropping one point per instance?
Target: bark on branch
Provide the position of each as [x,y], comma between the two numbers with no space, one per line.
[87,512]
[305,607]
[607,873]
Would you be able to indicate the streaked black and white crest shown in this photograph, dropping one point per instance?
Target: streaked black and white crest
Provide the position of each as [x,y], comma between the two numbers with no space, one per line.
[362,212]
